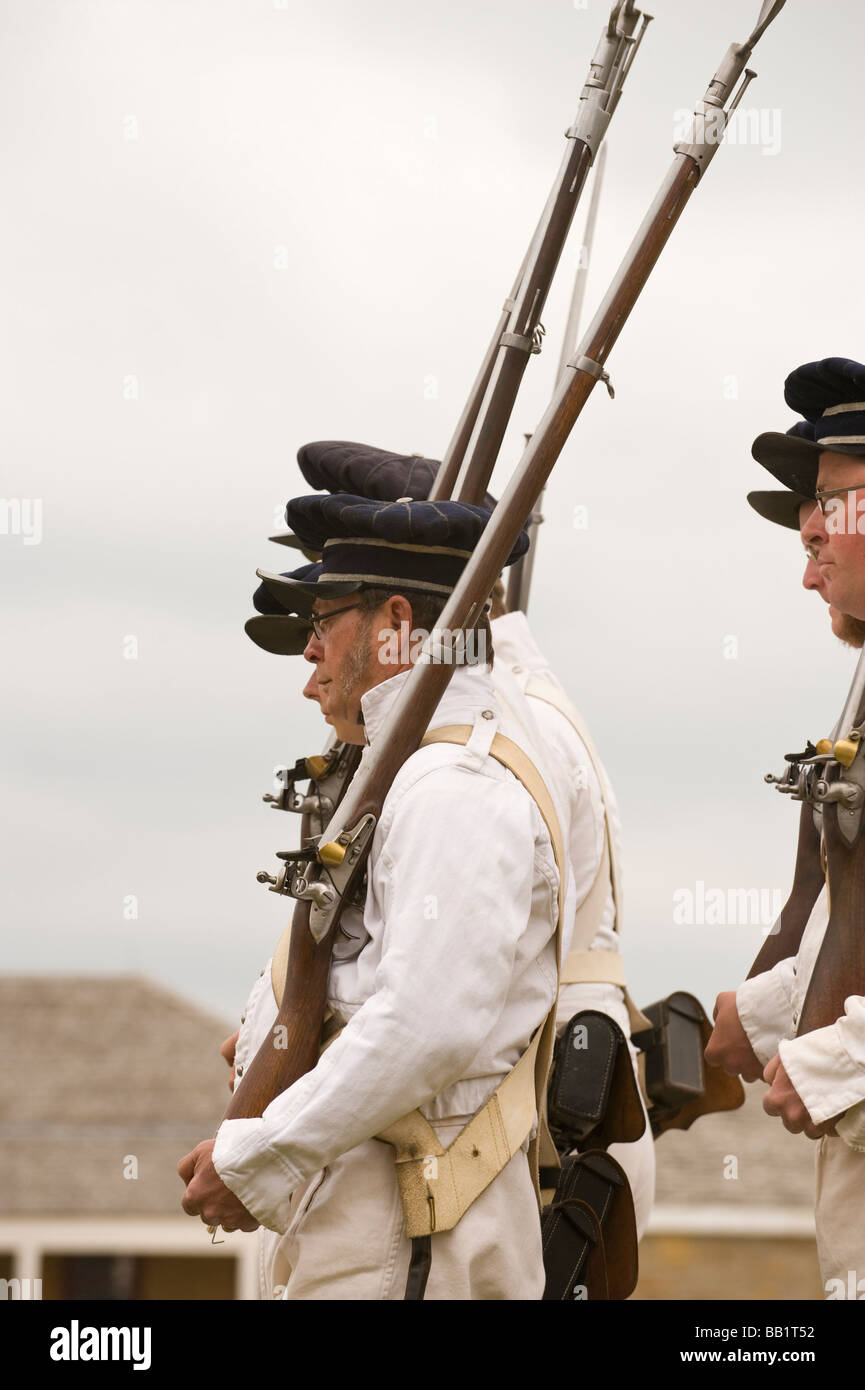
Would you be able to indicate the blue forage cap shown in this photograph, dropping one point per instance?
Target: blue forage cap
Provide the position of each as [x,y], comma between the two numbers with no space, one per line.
[283,627]
[830,394]
[405,545]
[338,465]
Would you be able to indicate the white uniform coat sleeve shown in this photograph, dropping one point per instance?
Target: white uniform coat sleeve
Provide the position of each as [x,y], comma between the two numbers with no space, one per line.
[765,1006]
[455,872]
[827,1066]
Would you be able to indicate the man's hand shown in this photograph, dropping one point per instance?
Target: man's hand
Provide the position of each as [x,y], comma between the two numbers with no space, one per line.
[729,1047]
[227,1050]
[206,1194]
[782,1099]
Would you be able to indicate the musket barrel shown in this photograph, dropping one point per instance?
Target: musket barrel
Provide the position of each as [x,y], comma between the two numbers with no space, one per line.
[446,477]
[520,576]
[518,343]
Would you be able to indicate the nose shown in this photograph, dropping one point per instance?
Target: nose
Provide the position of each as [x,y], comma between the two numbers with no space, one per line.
[813,528]
[314,650]
[811,578]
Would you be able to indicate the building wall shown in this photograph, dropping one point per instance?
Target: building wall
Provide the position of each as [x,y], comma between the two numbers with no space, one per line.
[728,1267]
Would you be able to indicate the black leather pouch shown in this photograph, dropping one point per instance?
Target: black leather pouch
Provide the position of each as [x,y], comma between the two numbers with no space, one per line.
[589,1232]
[673,1049]
[592,1096]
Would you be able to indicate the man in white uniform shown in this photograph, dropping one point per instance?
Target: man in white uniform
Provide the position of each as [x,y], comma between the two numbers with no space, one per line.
[589,816]
[441,982]
[817,1080]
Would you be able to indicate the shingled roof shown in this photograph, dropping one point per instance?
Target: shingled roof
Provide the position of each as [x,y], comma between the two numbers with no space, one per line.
[773,1168]
[100,1069]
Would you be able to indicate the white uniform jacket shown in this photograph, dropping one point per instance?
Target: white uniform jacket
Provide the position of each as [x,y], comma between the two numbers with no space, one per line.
[443,981]
[827,1066]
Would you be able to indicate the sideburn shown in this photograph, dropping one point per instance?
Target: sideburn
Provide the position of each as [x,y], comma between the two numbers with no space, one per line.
[355,669]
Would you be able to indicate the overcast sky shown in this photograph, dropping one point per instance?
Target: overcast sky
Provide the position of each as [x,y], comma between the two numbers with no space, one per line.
[233,226]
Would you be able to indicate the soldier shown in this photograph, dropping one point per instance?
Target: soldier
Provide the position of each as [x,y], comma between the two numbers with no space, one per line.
[593,968]
[817,1080]
[441,980]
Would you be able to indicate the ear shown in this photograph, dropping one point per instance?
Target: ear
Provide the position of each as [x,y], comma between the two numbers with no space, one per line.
[398,611]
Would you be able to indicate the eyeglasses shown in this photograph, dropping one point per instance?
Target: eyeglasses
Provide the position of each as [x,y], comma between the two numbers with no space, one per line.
[823,494]
[317,620]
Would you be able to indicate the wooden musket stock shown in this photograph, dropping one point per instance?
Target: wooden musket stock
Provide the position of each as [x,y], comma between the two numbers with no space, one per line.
[840,966]
[807,882]
[839,970]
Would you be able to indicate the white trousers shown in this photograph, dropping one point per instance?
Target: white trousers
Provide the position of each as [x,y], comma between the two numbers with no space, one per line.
[840,1214]
[346,1237]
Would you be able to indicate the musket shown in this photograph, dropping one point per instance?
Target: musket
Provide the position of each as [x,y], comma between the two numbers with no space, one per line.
[474,447]
[520,576]
[829,777]
[517,333]
[324,885]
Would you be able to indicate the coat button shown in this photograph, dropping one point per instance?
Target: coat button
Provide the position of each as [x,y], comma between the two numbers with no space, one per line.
[487,714]
[517,670]
[240,1070]
[243,1018]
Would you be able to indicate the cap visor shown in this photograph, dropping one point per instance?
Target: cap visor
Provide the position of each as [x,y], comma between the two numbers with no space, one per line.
[290,539]
[780,507]
[297,595]
[792,461]
[283,636]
